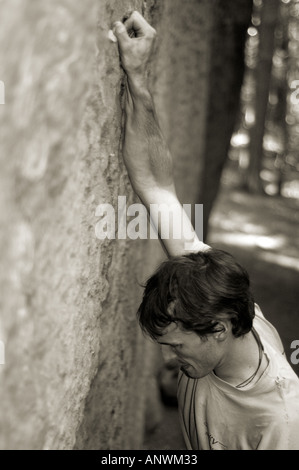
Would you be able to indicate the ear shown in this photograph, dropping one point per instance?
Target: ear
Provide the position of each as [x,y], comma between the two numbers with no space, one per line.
[223,329]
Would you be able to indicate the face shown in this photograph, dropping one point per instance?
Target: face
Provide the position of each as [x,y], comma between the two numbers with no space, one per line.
[197,356]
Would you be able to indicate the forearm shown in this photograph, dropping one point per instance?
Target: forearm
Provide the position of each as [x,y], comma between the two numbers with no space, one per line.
[145,151]
[146,155]
[149,165]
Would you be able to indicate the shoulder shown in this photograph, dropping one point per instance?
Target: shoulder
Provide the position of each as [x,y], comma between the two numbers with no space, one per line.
[268,333]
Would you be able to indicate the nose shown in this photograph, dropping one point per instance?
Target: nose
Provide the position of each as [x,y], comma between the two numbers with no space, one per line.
[167,353]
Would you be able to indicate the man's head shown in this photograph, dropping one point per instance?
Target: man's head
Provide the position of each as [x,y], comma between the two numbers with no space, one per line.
[194,300]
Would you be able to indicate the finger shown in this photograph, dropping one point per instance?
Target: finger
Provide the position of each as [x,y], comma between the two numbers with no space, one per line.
[138,24]
[121,33]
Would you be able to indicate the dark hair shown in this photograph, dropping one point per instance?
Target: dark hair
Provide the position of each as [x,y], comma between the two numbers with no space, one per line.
[202,288]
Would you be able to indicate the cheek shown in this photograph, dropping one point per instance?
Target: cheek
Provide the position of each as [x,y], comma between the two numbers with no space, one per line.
[203,356]
[189,356]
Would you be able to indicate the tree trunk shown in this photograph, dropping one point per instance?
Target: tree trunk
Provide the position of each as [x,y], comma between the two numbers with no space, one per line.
[197,85]
[181,85]
[269,17]
[232,19]
[282,109]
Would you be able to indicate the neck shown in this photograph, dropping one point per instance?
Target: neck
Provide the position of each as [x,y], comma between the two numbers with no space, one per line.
[241,362]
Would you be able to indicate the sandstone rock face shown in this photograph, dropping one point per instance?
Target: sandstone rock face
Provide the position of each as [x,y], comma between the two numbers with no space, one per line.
[78,371]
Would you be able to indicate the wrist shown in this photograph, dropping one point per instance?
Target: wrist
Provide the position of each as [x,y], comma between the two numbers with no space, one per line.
[138,88]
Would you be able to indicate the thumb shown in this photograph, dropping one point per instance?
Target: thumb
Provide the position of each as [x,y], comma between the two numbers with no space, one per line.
[121,33]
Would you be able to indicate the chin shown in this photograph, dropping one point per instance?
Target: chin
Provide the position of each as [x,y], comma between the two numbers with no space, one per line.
[192,373]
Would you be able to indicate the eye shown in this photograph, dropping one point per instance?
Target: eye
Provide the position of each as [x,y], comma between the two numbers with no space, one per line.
[176,347]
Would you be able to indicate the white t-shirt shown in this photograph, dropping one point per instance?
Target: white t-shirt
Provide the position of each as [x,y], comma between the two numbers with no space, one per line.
[216,415]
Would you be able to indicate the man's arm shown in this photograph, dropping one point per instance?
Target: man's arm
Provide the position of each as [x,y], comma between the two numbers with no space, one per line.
[146,155]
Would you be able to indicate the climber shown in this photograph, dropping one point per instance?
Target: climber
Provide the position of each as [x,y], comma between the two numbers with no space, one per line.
[236,390]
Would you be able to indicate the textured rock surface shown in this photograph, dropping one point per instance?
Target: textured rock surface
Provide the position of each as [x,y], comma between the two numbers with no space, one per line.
[78,372]
[75,358]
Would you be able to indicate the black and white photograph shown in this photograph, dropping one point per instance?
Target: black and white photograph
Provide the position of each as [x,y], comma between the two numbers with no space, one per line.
[149,236]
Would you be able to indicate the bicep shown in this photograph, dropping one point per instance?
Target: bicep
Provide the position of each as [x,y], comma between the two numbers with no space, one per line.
[171,222]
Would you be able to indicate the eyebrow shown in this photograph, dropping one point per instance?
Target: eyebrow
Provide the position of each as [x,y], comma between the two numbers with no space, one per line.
[168,344]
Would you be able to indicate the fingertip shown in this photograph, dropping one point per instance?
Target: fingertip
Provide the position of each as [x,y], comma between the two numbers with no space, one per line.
[111,36]
[119,27]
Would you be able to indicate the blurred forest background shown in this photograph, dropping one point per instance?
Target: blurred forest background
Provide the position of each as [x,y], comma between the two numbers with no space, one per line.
[265,143]
[254,210]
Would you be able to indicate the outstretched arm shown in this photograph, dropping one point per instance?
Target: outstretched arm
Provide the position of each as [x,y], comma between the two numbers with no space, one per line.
[146,155]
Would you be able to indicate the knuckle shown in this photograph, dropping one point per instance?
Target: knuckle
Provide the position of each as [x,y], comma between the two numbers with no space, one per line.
[152,33]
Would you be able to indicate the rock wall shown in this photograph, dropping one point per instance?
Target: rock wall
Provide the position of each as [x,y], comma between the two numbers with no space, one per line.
[78,371]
